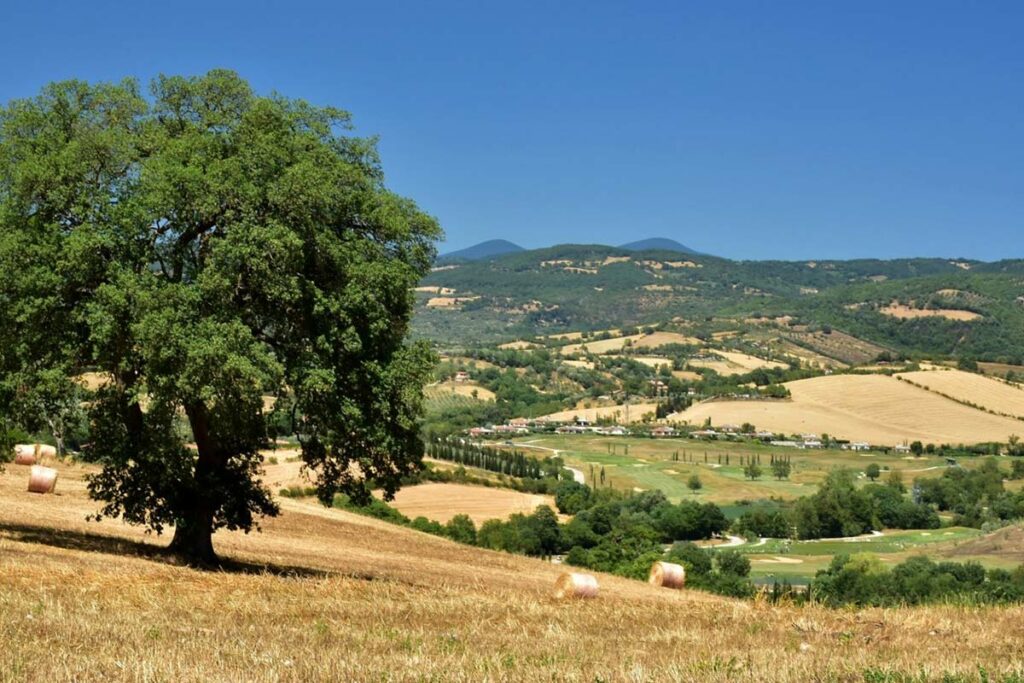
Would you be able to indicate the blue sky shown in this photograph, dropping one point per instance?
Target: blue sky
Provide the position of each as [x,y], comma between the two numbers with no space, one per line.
[745,129]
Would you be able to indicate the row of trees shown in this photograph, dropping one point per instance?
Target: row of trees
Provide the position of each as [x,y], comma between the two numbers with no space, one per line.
[503,461]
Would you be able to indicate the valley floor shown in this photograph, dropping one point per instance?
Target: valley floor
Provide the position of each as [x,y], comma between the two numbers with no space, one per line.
[325,595]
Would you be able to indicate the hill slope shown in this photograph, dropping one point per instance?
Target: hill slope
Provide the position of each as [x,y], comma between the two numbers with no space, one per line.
[325,595]
[484,250]
[658,244]
[594,287]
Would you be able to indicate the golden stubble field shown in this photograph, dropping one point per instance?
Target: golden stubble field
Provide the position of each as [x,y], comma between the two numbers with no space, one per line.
[989,393]
[323,595]
[875,408]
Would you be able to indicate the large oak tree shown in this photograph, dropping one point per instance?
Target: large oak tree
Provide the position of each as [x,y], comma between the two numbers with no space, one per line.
[205,247]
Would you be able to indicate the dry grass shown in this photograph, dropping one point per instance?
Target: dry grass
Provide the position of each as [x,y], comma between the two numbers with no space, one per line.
[906,312]
[325,595]
[619,413]
[990,394]
[874,408]
[441,502]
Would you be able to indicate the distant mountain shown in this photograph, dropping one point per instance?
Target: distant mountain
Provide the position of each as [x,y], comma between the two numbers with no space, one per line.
[479,252]
[659,244]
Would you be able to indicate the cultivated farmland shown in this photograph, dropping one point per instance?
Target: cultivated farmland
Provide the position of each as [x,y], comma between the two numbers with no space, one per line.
[875,408]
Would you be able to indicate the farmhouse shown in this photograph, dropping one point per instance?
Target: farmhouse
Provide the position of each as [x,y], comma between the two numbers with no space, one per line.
[663,431]
[480,431]
[705,434]
[902,448]
[461,376]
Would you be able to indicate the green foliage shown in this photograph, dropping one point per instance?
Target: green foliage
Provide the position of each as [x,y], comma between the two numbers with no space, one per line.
[863,580]
[781,468]
[872,471]
[837,509]
[204,247]
[461,529]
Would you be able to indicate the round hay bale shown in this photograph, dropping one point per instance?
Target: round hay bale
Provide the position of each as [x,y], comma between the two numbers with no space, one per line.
[667,575]
[42,479]
[45,451]
[574,585]
[24,454]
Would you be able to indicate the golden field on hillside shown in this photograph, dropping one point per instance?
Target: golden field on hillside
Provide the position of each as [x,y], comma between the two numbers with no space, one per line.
[875,408]
[325,595]
[991,394]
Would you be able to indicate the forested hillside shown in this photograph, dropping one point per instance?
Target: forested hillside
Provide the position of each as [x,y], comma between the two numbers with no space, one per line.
[957,308]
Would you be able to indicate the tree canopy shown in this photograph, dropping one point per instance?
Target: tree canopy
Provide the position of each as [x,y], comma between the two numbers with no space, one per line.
[211,252]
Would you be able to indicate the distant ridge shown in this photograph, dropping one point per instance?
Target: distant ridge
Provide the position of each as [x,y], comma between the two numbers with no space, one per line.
[478,252]
[658,243]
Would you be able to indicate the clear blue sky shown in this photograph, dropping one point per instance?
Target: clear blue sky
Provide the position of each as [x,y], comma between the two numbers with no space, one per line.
[745,129]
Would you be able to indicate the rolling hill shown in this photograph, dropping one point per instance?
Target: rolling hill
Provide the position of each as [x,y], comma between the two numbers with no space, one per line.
[484,250]
[658,244]
[321,594]
[947,307]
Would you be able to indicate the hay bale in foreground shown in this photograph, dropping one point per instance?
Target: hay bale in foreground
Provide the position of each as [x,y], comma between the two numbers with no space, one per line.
[574,585]
[24,454]
[42,479]
[667,575]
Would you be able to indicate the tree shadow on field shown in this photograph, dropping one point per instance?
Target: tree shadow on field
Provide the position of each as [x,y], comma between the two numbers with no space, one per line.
[99,543]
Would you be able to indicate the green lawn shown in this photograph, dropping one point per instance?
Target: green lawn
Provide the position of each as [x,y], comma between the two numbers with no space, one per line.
[650,465]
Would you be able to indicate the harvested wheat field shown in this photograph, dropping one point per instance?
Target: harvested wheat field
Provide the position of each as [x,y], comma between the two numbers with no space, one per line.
[991,394]
[906,312]
[441,502]
[875,408]
[620,413]
[325,595]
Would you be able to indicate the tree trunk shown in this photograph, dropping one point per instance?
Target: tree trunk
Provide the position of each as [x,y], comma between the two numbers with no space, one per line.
[193,535]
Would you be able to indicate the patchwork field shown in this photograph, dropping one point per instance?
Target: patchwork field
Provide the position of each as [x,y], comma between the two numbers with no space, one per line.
[990,394]
[320,594]
[441,502]
[875,408]
[736,363]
